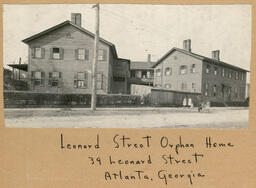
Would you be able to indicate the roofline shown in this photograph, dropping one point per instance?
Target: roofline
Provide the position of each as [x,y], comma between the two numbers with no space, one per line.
[123,59]
[142,69]
[206,59]
[27,40]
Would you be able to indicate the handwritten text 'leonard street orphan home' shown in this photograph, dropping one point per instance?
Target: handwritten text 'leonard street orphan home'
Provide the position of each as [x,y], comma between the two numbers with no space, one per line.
[172,158]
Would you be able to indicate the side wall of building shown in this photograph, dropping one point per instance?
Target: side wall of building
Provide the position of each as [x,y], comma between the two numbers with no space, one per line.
[222,84]
[121,73]
[69,39]
[189,81]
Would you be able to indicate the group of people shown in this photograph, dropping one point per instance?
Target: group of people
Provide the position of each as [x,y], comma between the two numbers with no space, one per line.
[204,105]
[201,105]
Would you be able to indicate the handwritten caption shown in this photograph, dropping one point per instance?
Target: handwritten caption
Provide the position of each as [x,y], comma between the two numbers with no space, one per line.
[175,154]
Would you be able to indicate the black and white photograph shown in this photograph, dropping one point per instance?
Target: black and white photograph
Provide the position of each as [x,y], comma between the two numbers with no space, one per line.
[127,66]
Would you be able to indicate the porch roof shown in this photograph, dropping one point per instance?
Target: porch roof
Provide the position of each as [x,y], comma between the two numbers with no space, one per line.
[23,67]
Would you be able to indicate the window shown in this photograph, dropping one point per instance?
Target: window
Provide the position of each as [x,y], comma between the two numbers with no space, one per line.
[206,89]
[149,74]
[207,70]
[168,71]
[99,81]
[158,72]
[236,75]
[54,79]
[168,86]
[229,74]
[82,54]
[37,52]
[215,90]
[81,80]
[193,86]
[215,71]
[236,93]
[193,68]
[158,85]
[183,69]
[242,76]
[223,72]
[57,53]
[37,78]
[226,73]
[144,74]
[183,86]
[242,90]
[102,55]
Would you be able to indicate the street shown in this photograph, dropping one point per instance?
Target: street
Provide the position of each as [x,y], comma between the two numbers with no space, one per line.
[144,117]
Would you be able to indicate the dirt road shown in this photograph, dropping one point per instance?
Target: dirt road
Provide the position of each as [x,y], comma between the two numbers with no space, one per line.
[220,118]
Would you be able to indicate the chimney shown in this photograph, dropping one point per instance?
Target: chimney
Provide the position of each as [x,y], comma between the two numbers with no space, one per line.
[76,18]
[187,45]
[149,58]
[216,55]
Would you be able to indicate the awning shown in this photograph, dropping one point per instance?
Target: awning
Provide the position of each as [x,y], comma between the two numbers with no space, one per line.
[23,67]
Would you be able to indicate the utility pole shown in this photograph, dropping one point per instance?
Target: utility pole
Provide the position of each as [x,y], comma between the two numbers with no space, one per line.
[95,57]
[19,69]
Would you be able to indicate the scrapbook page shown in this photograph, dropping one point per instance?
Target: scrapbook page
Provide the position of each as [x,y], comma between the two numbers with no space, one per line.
[134,94]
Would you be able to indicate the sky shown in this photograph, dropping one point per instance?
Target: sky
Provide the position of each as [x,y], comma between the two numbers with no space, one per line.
[139,30]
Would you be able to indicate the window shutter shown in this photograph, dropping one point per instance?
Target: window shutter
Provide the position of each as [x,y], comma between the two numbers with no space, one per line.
[61,53]
[32,74]
[76,54]
[104,55]
[60,74]
[86,54]
[75,83]
[42,75]
[42,78]
[85,79]
[42,53]
[33,52]
[51,53]
[50,75]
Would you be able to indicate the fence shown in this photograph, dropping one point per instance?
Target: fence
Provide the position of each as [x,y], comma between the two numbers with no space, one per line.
[164,97]
[14,99]
[140,90]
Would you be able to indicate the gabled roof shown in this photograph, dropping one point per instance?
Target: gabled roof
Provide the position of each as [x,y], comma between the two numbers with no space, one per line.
[203,58]
[27,40]
[142,65]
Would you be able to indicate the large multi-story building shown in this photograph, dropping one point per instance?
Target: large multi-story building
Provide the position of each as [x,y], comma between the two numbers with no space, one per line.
[183,70]
[60,60]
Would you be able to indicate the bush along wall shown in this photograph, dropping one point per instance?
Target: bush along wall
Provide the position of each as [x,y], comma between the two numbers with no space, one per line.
[29,100]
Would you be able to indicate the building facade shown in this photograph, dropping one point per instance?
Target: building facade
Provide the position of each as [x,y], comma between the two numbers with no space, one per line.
[183,70]
[60,60]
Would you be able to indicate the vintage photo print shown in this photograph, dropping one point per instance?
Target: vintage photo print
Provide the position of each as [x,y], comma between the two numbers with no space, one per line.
[127,66]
